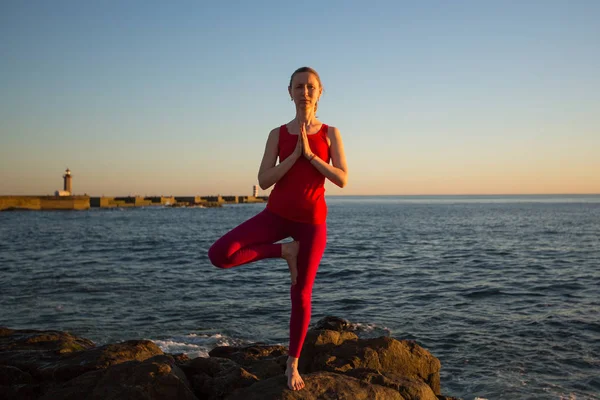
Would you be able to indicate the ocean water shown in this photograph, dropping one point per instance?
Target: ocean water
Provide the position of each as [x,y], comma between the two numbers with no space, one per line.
[505,291]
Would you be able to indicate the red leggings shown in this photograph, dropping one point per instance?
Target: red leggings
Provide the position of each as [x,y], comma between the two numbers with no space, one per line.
[255,239]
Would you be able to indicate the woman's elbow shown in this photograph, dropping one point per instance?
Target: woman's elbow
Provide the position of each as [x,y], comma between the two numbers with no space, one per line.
[261,182]
[264,185]
[342,181]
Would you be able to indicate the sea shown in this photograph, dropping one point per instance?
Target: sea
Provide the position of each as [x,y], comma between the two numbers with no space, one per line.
[504,290]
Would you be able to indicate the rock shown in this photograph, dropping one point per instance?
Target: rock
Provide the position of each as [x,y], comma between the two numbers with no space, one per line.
[39,343]
[180,358]
[101,358]
[335,364]
[33,351]
[248,354]
[384,354]
[332,324]
[319,386]
[215,377]
[213,383]
[261,360]
[340,350]
[16,384]
[320,342]
[14,376]
[408,388]
[154,378]
[20,392]
[211,366]
[60,356]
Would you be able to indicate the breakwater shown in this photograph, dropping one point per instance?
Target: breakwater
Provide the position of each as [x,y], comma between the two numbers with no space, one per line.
[42,203]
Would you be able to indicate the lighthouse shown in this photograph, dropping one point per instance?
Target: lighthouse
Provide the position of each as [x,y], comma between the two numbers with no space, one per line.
[66,184]
[67,179]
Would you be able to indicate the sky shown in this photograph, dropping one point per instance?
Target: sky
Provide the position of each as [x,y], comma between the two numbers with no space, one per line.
[178,98]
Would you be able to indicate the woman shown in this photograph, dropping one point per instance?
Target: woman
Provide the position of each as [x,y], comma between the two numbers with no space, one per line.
[296,206]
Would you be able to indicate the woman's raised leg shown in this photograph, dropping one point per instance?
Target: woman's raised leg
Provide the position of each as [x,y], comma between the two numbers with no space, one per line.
[250,241]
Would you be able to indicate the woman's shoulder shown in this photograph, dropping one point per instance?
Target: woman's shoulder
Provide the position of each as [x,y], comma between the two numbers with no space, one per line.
[275,131]
[332,132]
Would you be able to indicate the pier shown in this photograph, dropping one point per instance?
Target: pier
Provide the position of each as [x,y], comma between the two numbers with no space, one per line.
[47,203]
[65,200]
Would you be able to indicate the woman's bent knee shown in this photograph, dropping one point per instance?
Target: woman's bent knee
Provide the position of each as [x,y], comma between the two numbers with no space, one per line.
[216,256]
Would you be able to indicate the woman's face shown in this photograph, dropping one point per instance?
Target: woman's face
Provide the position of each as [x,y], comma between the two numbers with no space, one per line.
[305,90]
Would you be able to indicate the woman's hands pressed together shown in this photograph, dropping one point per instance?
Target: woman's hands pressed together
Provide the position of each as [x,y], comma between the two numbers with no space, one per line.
[299,150]
[303,145]
[306,152]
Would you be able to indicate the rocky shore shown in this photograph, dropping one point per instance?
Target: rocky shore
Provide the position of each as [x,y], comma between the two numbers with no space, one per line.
[335,364]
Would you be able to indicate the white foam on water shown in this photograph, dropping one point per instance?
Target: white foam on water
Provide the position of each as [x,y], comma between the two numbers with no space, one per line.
[370,329]
[194,345]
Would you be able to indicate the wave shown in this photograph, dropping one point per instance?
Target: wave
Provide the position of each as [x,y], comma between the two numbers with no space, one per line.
[369,330]
[194,345]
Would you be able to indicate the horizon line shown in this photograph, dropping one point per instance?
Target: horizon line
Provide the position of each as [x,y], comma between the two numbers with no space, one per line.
[329,195]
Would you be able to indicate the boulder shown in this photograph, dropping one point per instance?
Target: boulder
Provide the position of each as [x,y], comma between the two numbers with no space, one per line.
[100,358]
[342,351]
[332,323]
[319,342]
[319,386]
[213,378]
[17,384]
[14,376]
[60,356]
[335,364]
[408,388]
[385,355]
[261,360]
[156,378]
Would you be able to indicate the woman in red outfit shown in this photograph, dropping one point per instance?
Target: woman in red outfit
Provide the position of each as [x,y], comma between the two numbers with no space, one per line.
[308,151]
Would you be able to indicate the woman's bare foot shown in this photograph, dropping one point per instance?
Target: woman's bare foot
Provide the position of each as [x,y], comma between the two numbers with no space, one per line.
[295,381]
[289,252]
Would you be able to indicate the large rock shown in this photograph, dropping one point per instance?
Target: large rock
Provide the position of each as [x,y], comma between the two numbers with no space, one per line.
[31,340]
[75,364]
[319,342]
[213,378]
[31,351]
[319,386]
[14,376]
[156,378]
[341,351]
[261,360]
[60,356]
[230,368]
[17,384]
[335,364]
[386,355]
[407,387]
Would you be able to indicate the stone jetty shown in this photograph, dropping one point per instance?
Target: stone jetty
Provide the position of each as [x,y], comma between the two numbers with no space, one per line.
[48,203]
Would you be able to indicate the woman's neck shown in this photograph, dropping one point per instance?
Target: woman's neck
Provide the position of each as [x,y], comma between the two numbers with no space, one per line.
[305,117]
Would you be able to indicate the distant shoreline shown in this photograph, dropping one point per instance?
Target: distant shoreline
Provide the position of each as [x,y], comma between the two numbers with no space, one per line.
[464,195]
[341,195]
[77,202]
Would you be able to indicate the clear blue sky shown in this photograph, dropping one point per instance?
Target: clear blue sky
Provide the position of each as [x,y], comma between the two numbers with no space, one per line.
[431,97]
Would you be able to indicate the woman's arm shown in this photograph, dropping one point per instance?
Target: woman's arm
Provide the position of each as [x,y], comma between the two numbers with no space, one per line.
[269,173]
[337,172]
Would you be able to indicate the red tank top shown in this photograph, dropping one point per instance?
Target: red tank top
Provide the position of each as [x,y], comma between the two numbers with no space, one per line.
[300,194]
